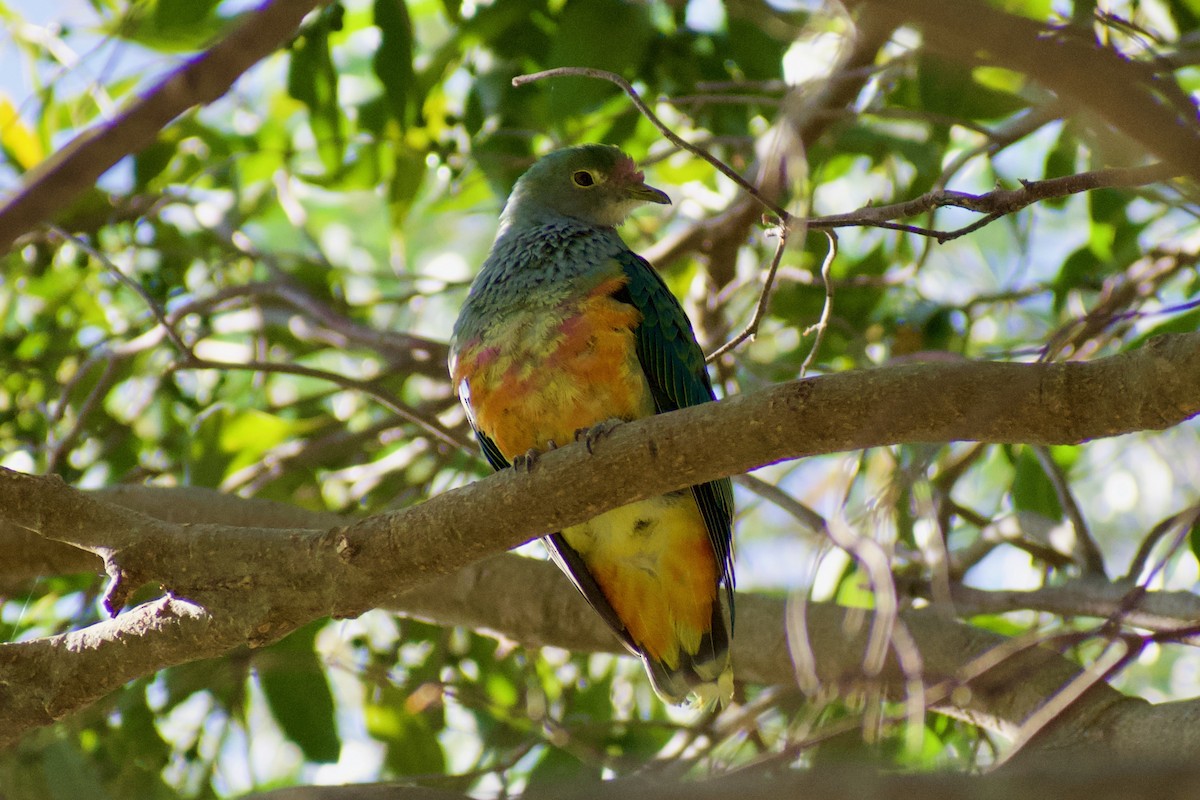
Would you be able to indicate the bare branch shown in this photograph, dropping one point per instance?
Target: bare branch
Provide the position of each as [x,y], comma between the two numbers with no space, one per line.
[1128,96]
[822,323]
[1154,611]
[992,204]
[52,185]
[1092,558]
[1186,517]
[372,388]
[346,571]
[760,309]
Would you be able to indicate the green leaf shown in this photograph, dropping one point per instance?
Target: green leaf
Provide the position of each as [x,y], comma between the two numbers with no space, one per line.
[854,589]
[947,87]
[642,741]
[170,26]
[248,435]
[313,80]
[69,775]
[393,61]
[1061,160]
[757,54]
[150,162]
[511,29]
[293,680]
[412,745]
[558,768]
[581,41]
[1032,489]
[1033,9]
[20,144]
[1081,270]
[407,176]
[1187,14]
[1187,322]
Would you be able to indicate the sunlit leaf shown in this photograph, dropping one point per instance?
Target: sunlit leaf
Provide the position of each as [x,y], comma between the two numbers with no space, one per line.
[20,144]
[293,680]
[313,80]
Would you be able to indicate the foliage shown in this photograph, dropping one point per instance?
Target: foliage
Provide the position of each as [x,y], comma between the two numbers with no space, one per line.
[307,240]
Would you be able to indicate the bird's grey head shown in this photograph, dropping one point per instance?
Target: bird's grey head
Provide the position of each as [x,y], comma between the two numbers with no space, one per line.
[595,183]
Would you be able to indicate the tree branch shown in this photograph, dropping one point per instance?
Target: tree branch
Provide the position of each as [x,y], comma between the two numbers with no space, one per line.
[1090,778]
[51,186]
[1129,96]
[1159,611]
[993,204]
[346,571]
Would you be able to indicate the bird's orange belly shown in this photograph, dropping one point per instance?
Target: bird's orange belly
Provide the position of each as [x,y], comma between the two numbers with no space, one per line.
[539,378]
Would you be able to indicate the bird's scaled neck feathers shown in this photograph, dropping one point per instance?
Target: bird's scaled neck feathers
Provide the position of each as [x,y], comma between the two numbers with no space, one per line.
[526,217]
[537,266]
[551,249]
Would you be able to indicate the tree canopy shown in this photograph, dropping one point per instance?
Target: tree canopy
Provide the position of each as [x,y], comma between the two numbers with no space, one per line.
[942,256]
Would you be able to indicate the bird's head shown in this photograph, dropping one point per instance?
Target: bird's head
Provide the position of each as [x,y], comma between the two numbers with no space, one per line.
[595,183]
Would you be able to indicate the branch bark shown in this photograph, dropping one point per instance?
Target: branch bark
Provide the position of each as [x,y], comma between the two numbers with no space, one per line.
[994,204]
[1085,779]
[51,186]
[1131,97]
[220,595]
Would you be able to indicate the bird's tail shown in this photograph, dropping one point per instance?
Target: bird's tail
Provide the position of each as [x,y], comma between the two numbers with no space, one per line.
[705,675]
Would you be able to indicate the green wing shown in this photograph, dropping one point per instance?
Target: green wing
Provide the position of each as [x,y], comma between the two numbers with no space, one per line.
[674,367]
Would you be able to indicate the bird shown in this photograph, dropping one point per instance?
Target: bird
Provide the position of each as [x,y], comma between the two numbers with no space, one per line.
[566,332]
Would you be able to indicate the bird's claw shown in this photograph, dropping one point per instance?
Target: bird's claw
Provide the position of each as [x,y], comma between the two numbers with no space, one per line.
[589,436]
[529,459]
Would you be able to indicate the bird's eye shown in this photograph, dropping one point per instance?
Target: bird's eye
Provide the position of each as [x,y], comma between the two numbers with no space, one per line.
[583,178]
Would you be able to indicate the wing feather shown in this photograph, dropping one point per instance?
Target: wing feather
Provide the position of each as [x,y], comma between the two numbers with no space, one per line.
[674,367]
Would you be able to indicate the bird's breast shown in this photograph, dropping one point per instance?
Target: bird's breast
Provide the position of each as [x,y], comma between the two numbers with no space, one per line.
[538,373]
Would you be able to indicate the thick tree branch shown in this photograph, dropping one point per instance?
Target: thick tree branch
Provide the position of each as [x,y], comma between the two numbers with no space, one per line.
[1090,778]
[1000,698]
[256,585]
[51,186]
[1131,97]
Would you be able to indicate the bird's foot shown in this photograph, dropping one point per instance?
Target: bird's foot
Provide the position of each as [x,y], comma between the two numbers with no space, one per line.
[589,436]
[529,459]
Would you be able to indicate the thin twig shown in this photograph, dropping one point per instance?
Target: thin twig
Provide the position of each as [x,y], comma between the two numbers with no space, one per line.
[1003,136]
[912,667]
[152,304]
[1156,611]
[424,355]
[725,100]
[368,387]
[1114,654]
[773,494]
[61,448]
[1093,559]
[826,309]
[1152,538]
[612,77]
[871,556]
[993,204]
[1185,521]
[760,310]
